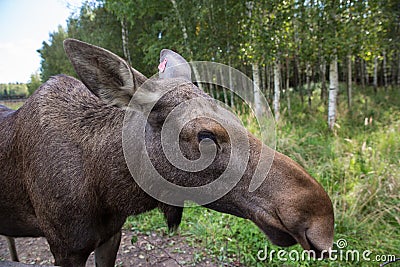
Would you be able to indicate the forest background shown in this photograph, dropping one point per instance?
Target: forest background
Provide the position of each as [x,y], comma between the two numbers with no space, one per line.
[330,70]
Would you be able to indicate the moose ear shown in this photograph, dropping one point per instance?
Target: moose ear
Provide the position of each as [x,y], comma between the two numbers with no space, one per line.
[105,74]
[173,65]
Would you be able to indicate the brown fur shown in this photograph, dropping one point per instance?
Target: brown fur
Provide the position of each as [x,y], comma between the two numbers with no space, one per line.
[63,174]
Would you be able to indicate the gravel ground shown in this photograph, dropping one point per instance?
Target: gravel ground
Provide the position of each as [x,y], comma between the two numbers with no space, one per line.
[149,250]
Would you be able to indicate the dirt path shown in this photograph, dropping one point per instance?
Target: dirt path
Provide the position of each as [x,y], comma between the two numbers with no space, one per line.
[149,250]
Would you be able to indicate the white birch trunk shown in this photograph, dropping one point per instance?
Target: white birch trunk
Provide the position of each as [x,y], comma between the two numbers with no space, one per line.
[375,73]
[385,80]
[197,77]
[183,27]
[323,78]
[308,82]
[231,84]
[256,89]
[125,42]
[267,81]
[333,90]
[277,90]
[185,38]
[349,81]
[287,86]
[221,78]
[262,74]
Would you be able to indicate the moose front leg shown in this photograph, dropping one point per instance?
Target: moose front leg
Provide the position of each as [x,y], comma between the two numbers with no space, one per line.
[106,254]
[12,248]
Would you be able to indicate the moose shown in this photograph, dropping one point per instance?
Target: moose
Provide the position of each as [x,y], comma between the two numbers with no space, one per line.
[63,174]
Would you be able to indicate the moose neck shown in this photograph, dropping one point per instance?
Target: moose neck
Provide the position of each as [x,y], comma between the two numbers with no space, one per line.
[116,188]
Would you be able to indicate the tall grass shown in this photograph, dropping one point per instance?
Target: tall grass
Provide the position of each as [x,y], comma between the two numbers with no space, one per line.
[357,164]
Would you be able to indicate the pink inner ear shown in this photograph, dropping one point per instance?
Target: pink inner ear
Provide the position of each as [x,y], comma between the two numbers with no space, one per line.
[162,65]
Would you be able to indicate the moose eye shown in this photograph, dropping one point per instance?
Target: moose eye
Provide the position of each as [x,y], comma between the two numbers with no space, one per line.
[206,135]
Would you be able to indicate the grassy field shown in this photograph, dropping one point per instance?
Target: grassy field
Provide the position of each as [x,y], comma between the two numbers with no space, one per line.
[12,104]
[358,165]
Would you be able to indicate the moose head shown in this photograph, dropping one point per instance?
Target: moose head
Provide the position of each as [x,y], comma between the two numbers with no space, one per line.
[289,206]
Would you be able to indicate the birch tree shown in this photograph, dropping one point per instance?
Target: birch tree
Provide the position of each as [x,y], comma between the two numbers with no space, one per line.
[252,14]
[125,41]
[349,81]
[277,89]
[331,10]
[307,36]
[333,92]
[375,82]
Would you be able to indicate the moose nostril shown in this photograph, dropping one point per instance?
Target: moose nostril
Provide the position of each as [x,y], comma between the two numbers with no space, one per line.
[317,252]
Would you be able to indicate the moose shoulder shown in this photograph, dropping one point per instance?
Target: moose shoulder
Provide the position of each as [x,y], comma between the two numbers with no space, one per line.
[63,174]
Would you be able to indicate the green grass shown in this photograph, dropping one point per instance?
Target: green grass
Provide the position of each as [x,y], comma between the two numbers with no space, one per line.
[357,164]
[12,104]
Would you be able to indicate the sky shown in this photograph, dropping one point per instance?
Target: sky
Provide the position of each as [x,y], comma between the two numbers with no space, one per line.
[24,25]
